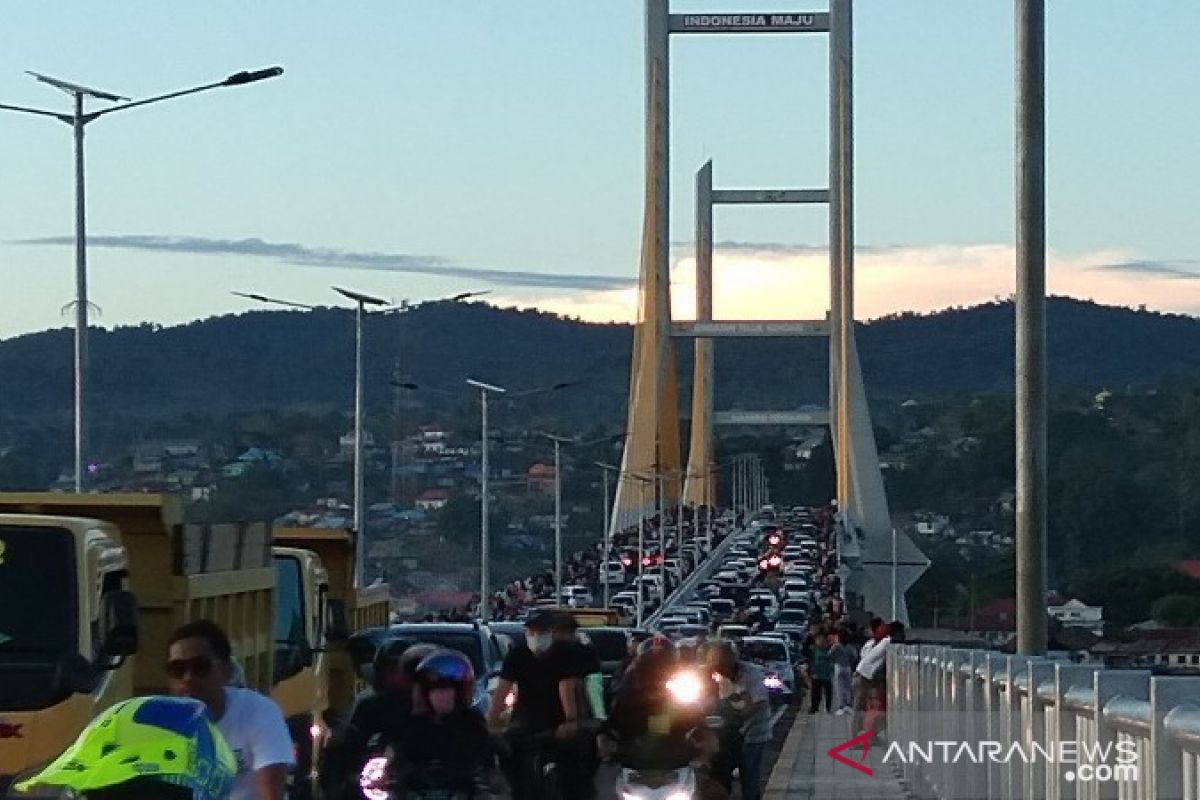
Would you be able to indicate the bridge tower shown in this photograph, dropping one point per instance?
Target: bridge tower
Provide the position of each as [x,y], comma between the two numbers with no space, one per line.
[878,563]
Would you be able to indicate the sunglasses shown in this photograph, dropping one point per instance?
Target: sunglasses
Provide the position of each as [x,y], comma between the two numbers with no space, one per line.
[200,667]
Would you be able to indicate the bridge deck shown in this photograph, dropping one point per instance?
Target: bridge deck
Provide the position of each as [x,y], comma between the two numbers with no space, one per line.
[805,771]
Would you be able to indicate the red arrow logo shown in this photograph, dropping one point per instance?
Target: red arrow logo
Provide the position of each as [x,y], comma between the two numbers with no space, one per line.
[863,740]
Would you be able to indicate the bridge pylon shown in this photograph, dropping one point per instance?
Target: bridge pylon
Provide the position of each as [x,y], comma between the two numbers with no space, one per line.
[878,564]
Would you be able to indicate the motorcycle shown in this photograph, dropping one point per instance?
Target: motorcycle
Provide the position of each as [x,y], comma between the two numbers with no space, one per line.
[686,688]
[385,777]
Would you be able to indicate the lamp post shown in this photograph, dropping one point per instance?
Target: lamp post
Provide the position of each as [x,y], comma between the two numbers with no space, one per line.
[77,119]
[484,562]
[360,510]
[642,480]
[484,390]
[558,442]
[604,470]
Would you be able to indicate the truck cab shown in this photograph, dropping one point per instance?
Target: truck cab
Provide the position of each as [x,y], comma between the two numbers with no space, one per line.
[67,628]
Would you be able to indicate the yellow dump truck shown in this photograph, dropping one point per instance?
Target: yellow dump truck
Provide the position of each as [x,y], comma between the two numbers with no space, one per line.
[316,610]
[91,587]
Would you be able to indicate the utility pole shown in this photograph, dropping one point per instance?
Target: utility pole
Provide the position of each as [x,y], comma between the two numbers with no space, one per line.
[1031,325]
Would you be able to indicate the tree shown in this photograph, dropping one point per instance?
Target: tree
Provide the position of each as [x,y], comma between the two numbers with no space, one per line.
[1177,610]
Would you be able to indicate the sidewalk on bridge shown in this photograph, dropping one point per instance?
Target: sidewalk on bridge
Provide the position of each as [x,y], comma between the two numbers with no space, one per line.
[805,771]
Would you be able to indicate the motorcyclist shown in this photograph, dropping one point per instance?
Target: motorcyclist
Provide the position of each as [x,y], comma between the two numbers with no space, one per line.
[548,684]
[656,708]
[565,629]
[147,748]
[384,709]
[380,714]
[446,742]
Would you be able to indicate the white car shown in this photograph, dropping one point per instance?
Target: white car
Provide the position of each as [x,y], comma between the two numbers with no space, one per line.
[613,573]
[774,657]
[577,597]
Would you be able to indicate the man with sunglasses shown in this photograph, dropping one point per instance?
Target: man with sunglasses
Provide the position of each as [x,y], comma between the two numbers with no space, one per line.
[199,665]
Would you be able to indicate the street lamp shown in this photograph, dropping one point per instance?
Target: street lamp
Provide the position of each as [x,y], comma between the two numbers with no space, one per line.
[77,119]
[484,390]
[604,470]
[360,509]
[643,480]
[558,442]
[558,539]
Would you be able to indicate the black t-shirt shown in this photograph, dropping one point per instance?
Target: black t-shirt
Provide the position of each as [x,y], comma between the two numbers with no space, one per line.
[583,658]
[539,708]
[460,741]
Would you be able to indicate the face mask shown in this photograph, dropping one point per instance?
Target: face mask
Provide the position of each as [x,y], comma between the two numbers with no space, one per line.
[441,700]
[539,642]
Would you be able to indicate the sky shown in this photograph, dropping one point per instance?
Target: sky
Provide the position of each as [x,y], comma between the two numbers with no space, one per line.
[415,150]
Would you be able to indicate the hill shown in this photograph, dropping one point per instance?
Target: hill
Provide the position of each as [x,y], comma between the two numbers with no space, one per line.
[305,359]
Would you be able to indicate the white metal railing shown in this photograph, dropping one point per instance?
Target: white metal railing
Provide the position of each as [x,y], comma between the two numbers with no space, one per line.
[981,725]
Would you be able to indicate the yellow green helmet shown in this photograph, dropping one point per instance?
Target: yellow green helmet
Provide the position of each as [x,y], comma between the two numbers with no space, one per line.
[169,739]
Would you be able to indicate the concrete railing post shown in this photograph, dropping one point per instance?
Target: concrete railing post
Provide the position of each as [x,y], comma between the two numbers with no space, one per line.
[1034,728]
[1066,678]
[1165,694]
[1012,774]
[1110,684]
[995,669]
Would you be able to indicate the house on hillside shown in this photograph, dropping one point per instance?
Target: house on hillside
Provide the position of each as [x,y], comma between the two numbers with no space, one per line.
[540,478]
[254,456]
[1077,614]
[433,499]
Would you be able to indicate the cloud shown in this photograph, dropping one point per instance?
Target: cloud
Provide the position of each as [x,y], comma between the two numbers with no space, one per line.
[1186,268]
[302,255]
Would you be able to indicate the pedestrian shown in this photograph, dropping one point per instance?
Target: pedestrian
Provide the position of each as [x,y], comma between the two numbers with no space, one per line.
[843,656]
[822,673]
[868,677]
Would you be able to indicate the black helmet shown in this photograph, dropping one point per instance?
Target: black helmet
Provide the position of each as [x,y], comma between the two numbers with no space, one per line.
[448,668]
[388,657]
[657,644]
[413,656]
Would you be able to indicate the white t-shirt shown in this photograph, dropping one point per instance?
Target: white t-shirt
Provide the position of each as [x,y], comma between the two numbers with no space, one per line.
[873,657]
[254,728]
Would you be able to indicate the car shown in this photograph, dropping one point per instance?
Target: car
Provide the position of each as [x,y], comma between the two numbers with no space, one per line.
[774,656]
[672,566]
[509,633]
[696,614]
[796,604]
[691,631]
[672,620]
[613,573]
[765,604]
[793,619]
[795,587]
[627,600]
[577,596]
[721,608]
[733,633]
[474,640]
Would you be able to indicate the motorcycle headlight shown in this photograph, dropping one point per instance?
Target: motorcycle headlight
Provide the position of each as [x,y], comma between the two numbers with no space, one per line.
[685,688]
[373,779]
[773,682]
